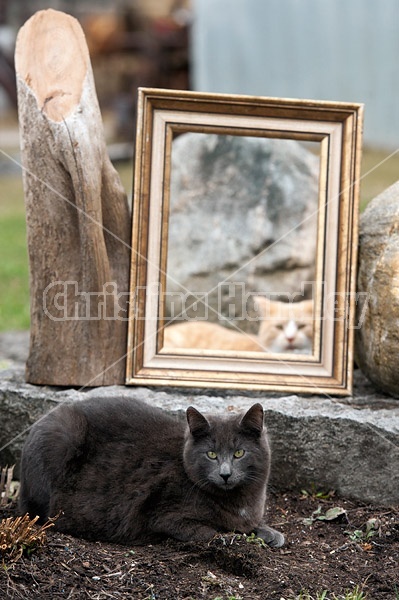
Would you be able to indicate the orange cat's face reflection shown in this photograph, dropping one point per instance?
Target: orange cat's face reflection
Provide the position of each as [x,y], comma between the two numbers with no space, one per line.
[285,326]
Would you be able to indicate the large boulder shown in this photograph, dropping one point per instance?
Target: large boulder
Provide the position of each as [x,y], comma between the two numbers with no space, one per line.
[377,336]
[243,210]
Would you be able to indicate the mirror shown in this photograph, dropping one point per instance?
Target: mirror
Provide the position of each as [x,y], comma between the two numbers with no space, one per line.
[244,242]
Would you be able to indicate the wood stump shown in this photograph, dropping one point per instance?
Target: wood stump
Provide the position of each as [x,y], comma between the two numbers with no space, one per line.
[78,220]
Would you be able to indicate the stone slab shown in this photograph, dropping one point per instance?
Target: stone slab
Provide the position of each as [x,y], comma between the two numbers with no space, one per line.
[347,445]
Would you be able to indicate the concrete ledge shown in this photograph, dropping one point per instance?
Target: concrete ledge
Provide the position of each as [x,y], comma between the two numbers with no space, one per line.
[350,446]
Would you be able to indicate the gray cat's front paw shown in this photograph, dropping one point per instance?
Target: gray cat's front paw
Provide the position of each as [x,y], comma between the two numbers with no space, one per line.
[272,537]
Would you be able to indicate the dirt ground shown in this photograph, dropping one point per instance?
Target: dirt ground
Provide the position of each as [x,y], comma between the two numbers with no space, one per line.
[335,551]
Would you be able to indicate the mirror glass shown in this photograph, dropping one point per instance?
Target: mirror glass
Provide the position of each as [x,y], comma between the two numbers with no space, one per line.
[244,242]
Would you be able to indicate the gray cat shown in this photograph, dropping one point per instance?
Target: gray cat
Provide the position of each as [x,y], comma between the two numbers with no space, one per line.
[125,472]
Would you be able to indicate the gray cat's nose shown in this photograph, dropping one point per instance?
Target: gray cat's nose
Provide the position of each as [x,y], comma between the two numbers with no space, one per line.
[225,471]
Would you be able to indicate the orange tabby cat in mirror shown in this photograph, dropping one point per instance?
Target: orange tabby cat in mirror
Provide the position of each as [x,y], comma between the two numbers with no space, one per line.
[284,327]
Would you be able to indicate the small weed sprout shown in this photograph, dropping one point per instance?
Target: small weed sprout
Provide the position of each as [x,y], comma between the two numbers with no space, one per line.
[317,494]
[319,596]
[250,539]
[356,594]
[361,536]
[254,539]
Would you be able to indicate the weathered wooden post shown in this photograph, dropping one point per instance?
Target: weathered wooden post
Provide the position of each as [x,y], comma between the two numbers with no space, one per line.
[78,221]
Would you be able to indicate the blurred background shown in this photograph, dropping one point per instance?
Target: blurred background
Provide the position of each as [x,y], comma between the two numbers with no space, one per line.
[331,50]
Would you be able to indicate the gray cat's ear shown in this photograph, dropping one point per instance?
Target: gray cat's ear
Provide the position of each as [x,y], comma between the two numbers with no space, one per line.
[197,423]
[252,421]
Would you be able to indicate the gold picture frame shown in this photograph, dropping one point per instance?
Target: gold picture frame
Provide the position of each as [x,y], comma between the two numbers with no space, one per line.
[337,129]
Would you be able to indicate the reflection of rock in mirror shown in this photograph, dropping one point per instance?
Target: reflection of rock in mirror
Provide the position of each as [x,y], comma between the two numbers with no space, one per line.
[242,209]
[284,327]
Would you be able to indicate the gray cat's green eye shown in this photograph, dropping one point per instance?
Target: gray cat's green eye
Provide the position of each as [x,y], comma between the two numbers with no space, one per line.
[211,454]
[239,453]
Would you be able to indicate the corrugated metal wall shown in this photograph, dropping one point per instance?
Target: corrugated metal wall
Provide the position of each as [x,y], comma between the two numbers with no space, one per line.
[320,49]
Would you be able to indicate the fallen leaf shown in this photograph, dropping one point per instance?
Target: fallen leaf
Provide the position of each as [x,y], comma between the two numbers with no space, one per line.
[334,513]
[366,546]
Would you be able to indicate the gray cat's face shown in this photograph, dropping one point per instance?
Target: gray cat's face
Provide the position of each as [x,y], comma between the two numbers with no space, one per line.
[226,453]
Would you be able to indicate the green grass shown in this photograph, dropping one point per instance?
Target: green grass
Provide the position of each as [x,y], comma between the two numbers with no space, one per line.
[355,594]
[379,171]
[14,269]
[14,273]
